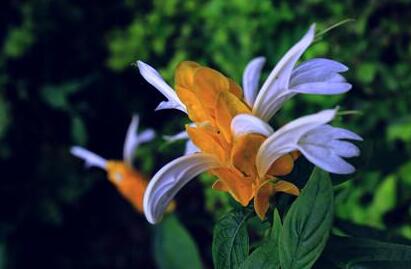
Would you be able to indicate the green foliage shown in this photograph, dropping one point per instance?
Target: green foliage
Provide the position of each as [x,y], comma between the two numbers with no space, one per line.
[307,224]
[4,116]
[173,246]
[400,130]
[266,255]
[20,38]
[350,253]
[230,240]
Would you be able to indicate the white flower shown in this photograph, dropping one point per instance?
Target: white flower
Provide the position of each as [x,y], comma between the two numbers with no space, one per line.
[315,76]
[130,146]
[322,144]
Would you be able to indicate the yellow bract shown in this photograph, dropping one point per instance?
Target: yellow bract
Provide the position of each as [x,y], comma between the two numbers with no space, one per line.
[212,101]
[129,182]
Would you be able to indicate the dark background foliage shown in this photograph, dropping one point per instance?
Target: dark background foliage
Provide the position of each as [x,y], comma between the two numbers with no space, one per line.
[67,77]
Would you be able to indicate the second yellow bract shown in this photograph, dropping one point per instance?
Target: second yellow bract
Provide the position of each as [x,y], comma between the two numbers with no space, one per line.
[130,183]
[212,101]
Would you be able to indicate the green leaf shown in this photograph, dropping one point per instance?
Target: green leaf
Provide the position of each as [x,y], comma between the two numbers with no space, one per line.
[266,256]
[308,223]
[173,246]
[348,252]
[230,242]
[356,230]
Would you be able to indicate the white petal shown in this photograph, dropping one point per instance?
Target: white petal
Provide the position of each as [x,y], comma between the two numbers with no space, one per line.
[190,148]
[89,157]
[336,78]
[146,136]
[327,88]
[251,76]
[344,149]
[170,179]
[277,82]
[315,70]
[169,105]
[131,141]
[246,123]
[329,132]
[326,159]
[178,136]
[287,137]
[155,79]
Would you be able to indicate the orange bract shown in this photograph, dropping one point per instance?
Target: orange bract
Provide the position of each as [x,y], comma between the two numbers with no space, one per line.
[212,101]
[129,182]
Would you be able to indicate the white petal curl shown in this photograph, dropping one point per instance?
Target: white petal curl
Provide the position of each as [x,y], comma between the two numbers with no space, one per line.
[251,77]
[179,136]
[133,139]
[170,179]
[89,157]
[278,80]
[155,79]
[326,159]
[146,136]
[314,70]
[286,139]
[246,124]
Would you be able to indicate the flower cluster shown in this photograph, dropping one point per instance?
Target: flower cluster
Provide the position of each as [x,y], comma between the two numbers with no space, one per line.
[230,136]
[129,182]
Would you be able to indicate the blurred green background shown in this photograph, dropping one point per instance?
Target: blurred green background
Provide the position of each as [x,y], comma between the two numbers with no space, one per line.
[67,77]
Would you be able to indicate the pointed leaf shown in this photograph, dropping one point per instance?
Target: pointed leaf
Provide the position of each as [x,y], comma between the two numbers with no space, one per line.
[230,242]
[173,246]
[349,252]
[266,256]
[307,224]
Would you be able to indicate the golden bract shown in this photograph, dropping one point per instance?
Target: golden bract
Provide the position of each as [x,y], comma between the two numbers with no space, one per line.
[212,101]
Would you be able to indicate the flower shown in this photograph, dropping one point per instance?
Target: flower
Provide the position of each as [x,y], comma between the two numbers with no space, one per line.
[230,128]
[128,181]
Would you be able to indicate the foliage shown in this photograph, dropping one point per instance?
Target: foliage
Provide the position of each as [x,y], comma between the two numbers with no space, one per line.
[307,223]
[230,241]
[173,246]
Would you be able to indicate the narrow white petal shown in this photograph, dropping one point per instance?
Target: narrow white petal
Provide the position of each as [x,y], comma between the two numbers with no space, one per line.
[251,77]
[170,105]
[327,88]
[246,123]
[146,136]
[278,80]
[306,123]
[344,149]
[170,179]
[155,79]
[131,141]
[287,137]
[315,70]
[178,136]
[326,159]
[190,148]
[329,132]
[89,157]
[336,78]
